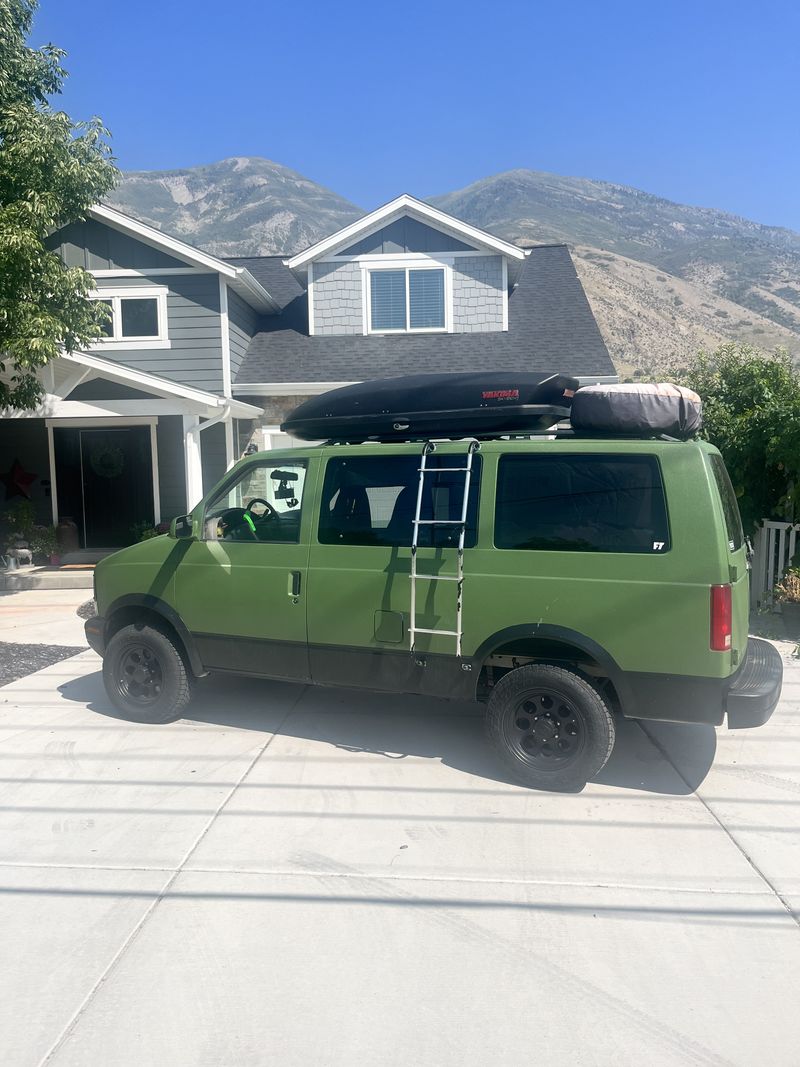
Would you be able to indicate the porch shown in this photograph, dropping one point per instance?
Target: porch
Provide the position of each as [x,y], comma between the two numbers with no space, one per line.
[112,452]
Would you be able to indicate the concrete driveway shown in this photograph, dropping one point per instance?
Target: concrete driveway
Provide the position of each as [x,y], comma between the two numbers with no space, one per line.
[295,876]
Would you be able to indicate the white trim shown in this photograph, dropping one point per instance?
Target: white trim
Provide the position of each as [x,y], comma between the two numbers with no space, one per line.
[241,278]
[504,283]
[53,408]
[192,461]
[402,205]
[101,421]
[149,272]
[310,299]
[396,264]
[379,257]
[115,295]
[158,239]
[51,451]
[154,462]
[225,335]
[287,388]
[230,452]
[71,382]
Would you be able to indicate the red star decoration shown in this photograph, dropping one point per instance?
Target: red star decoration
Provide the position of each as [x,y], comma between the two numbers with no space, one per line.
[18,481]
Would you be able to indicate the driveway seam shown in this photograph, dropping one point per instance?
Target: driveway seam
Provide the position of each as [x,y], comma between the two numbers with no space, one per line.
[740,848]
[134,934]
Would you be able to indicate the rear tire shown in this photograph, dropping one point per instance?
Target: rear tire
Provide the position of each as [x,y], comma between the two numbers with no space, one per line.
[551,729]
[145,675]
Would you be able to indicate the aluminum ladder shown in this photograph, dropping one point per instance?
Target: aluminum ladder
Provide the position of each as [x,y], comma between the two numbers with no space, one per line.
[428,449]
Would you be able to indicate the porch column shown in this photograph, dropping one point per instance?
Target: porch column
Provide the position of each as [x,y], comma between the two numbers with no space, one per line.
[192,461]
[230,454]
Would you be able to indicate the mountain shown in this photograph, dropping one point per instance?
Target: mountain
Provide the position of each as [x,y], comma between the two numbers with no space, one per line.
[237,207]
[717,276]
[663,279]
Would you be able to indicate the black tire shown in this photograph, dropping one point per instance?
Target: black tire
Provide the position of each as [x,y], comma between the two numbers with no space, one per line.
[551,729]
[145,675]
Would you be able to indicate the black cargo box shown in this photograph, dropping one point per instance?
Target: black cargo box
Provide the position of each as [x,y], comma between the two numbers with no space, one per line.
[637,410]
[475,404]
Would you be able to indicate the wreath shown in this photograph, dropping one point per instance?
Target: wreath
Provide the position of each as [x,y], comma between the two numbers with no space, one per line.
[107,461]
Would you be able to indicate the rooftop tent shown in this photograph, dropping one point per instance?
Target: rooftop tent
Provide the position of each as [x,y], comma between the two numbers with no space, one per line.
[482,403]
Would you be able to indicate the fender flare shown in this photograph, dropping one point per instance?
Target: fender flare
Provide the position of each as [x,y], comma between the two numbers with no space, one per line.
[169,614]
[548,632]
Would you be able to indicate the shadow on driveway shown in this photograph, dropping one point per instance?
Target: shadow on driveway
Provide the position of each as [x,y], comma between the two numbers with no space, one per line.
[397,726]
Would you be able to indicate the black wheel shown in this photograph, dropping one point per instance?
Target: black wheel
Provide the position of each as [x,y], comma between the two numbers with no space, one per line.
[551,729]
[145,676]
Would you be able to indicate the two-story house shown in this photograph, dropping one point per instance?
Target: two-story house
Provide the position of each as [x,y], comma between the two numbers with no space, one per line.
[204,355]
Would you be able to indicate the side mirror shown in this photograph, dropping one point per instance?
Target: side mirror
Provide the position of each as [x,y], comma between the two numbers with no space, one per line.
[181,528]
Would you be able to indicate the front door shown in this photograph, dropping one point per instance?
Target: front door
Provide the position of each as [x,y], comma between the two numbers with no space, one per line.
[241,589]
[104,480]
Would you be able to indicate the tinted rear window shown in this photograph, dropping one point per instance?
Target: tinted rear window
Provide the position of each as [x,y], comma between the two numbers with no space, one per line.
[730,508]
[582,503]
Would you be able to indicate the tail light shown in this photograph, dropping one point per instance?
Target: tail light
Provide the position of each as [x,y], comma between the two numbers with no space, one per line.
[721,618]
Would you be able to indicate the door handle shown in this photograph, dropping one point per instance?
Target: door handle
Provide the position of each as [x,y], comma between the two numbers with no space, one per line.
[294,583]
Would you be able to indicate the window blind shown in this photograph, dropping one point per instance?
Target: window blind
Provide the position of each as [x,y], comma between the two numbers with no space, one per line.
[426,299]
[388,296]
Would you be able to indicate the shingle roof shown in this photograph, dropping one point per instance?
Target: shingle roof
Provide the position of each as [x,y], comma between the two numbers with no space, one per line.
[550,327]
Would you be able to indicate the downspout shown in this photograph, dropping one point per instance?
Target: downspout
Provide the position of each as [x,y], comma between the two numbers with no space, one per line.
[194,433]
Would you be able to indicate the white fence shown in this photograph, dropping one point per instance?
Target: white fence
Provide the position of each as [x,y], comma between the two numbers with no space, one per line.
[774,546]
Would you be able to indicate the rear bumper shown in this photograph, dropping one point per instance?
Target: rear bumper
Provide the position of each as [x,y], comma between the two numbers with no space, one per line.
[95,630]
[747,698]
[756,687]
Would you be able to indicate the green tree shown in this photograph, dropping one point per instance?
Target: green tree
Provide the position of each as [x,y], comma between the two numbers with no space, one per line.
[751,412]
[51,171]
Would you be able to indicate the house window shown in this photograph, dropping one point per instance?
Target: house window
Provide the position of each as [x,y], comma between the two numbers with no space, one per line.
[407,299]
[138,317]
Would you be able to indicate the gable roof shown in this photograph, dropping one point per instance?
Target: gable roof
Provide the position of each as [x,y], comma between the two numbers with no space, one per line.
[550,327]
[403,205]
[239,278]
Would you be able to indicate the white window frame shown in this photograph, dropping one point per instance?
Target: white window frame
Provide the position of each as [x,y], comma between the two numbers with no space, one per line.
[387,263]
[115,296]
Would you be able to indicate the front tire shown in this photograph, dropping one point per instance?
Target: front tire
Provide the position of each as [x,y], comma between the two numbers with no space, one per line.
[551,729]
[145,675]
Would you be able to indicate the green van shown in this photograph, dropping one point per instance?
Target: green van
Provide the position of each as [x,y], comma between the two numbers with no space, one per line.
[564,581]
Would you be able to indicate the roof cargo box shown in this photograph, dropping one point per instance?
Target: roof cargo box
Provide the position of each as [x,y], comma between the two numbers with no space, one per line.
[637,410]
[475,404]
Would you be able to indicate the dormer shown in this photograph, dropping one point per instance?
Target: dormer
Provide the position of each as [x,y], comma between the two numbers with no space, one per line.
[408,268]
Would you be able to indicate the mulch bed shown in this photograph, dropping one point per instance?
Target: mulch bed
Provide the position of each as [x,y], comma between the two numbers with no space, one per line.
[17,661]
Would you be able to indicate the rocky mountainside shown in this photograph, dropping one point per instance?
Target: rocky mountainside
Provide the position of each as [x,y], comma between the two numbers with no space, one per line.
[237,207]
[664,279]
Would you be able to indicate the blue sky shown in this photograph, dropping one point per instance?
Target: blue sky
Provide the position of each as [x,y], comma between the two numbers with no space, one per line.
[698,102]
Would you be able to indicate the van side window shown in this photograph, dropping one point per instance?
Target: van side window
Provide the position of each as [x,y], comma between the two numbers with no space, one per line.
[581,503]
[730,508]
[262,503]
[371,500]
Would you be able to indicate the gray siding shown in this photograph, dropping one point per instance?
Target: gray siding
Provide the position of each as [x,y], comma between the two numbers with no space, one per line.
[171,472]
[242,324]
[103,389]
[212,454]
[195,354]
[477,294]
[26,440]
[95,246]
[406,235]
[337,299]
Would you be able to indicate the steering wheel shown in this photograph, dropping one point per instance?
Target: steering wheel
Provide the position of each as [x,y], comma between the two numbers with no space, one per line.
[269,512]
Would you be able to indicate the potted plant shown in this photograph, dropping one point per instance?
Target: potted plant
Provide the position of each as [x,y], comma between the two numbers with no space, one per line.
[787,594]
[43,541]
